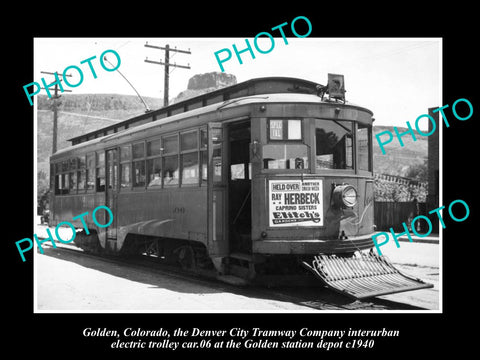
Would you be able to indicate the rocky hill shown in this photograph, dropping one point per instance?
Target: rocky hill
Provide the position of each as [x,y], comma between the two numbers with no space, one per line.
[203,83]
[398,159]
[211,80]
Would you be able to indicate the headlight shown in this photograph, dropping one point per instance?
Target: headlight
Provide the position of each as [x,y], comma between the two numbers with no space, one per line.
[345,196]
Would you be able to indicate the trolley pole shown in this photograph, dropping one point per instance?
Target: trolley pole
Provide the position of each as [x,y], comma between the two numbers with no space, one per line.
[55,106]
[167,65]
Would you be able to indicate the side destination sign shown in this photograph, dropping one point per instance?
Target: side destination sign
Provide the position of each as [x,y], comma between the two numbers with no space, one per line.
[295,203]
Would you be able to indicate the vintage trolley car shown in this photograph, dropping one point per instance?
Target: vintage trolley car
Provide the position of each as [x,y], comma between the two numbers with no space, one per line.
[249,181]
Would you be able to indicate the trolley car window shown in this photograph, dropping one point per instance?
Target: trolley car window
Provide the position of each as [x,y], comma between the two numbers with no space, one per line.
[81,179]
[58,184]
[64,184]
[170,144]
[112,169]
[125,167]
[334,145]
[125,176]
[189,162]
[139,173]
[190,168]
[204,166]
[217,154]
[67,176]
[154,168]
[153,147]
[100,181]
[73,164]
[138,150]
[125,153]
[90,171]
[81,162]
[81,173]
[364,134]
[52,176]
[204,155]
[189,141]
[100,159]
[72,183]
[91,160]
[170,170]
[203,139]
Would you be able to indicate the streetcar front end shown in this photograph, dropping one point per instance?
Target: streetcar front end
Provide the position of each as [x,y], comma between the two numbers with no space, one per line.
[314,179]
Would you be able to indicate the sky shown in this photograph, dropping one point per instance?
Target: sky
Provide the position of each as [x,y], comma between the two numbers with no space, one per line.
[396,78]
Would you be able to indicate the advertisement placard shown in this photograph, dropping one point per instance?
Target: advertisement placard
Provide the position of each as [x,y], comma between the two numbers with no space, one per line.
[295,203]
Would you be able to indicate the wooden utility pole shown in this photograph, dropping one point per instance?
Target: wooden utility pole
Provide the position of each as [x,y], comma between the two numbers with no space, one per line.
[167,65]
[55,110]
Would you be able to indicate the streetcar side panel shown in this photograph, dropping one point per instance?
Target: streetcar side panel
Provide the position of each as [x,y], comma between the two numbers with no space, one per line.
[164,212]
[175,214]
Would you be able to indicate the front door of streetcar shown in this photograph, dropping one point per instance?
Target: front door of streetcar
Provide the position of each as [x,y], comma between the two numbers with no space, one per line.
[111,192]
[217,239]
[229,189]
[239,188]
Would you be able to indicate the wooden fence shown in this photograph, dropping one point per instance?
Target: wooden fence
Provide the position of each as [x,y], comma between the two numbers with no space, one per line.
[390,214]
[400,180]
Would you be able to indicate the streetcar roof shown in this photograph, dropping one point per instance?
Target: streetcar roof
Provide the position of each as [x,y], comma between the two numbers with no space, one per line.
[248,88]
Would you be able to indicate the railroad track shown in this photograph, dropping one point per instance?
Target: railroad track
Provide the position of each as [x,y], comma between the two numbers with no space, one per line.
[318,298]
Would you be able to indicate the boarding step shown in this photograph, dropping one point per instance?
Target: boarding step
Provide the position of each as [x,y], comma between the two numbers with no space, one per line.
[362,275]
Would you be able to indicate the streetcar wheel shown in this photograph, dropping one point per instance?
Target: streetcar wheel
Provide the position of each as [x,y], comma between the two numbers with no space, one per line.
[186,257]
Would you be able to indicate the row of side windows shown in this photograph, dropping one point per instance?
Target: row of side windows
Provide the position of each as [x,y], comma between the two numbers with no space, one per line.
[79,174]
[173,160]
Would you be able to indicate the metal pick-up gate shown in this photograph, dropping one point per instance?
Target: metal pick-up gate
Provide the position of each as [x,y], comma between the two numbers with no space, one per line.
[362,275]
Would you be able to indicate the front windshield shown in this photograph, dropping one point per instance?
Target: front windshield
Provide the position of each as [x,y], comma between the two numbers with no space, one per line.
[291,146]
[333,144]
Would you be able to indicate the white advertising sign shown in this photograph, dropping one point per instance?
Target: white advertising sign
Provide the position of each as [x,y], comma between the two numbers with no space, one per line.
[295,203]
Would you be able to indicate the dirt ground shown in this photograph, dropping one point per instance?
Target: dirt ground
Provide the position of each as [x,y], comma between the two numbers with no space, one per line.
[72,283]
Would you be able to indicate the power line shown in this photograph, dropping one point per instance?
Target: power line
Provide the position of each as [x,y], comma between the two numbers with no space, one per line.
[167,65]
